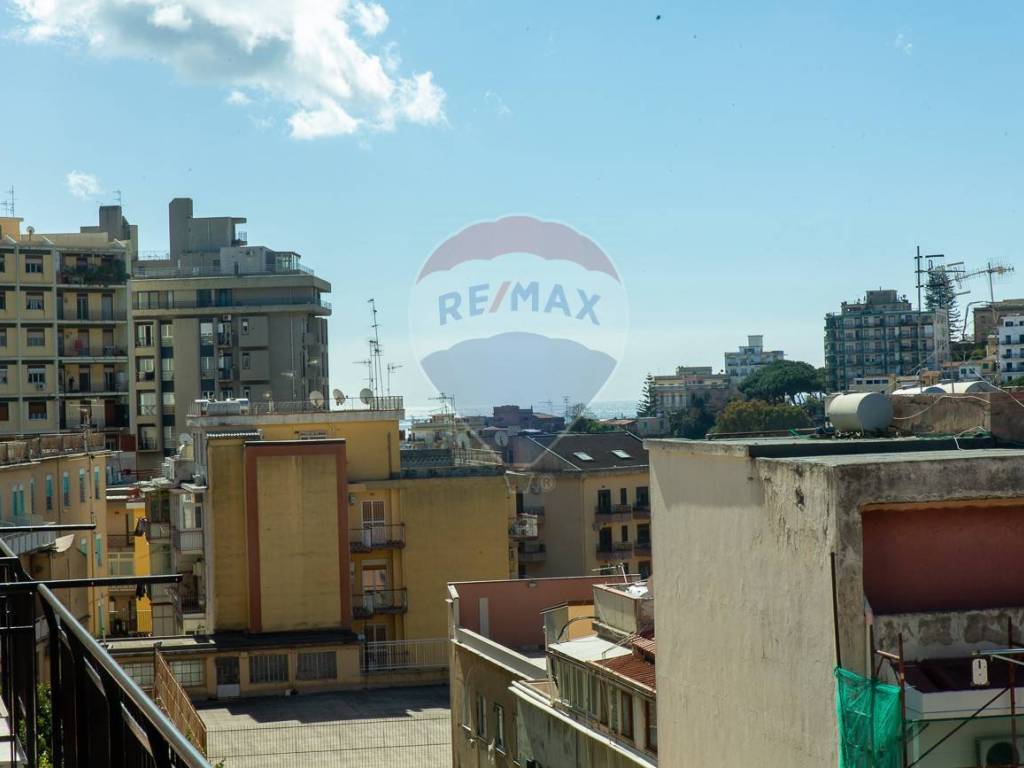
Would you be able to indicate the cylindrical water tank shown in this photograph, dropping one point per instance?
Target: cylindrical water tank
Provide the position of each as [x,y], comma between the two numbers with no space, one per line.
[860,412]
[967,387]
[933,389]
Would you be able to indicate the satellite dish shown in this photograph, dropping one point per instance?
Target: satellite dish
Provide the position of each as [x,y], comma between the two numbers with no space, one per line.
[184,439]
[366,395]
[339,397]
[316,398]
[501,439]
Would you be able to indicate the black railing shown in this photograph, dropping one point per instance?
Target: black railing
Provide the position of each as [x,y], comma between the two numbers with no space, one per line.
[381,601]
[99,715]
[372,537]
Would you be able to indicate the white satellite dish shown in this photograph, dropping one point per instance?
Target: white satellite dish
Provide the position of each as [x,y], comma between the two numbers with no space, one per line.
[366,395]
[339,397]
[316,398]
[501,438]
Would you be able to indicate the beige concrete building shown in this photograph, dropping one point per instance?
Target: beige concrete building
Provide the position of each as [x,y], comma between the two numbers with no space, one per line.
[64,355]
[690,386]
[921,539]
[582,504]
[220,319]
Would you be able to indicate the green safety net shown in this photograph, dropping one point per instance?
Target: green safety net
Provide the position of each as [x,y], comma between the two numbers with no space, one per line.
[870,723]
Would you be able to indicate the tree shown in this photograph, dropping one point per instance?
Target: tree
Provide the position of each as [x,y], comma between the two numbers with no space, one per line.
[648,403]
[759,416]
[940,296]
[783,380]
[693,422]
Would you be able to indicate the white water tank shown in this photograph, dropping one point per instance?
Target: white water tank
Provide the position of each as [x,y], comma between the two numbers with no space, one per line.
[967,387]
[932,389]
[860,412]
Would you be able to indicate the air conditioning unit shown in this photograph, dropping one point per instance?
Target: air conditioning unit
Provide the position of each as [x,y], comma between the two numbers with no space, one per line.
[999,751]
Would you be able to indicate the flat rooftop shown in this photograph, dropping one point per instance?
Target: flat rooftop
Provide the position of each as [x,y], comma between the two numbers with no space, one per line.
[818,447]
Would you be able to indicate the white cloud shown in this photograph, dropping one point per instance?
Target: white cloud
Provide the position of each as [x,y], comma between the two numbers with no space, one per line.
[82,185]
[903,44]
[312,56]
[497,104]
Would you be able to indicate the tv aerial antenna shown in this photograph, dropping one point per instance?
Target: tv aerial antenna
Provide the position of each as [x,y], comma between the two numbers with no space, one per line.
[7,204]
[392,367]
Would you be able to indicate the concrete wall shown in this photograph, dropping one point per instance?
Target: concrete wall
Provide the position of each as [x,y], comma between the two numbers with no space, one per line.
[226,518]
[472,676]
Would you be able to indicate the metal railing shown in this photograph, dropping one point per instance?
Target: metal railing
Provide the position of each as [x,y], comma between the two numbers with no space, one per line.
[393,655]
[187,539]
[619,550]
[21,450]
[613,514]
[99,716]
[371,537]
[532,552]
[99,350]
[167,691]
[381,601]
[641,511]
[269,408]
[234,303]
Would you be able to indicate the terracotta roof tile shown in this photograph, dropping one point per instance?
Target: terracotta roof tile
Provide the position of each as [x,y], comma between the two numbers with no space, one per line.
[633,668]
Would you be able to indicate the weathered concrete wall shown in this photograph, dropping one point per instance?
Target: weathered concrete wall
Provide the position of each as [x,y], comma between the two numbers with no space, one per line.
[556,744]
[950,634]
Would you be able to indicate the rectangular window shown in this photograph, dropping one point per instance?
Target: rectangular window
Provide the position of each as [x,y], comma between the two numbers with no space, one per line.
[499,727]
[65,488]
[227,670]
[140,672]
[168,398]
[466,721]
[81,486]
[96,485]
[33,301]
[35,337]
[246,361]
[245,325]
[37,410]
[3,336]
[143,335]
[627,715]
[481,716]
[3,373]
[37,374]
[34,265]
[318,666]
[651,716]
[188,673]
[166,335]
[49,493]
[5,412]
[269,668]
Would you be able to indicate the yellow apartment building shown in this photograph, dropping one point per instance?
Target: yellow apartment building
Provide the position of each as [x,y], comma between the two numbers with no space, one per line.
[582,504]
[128,554]
[64,329]
[59,479]
[325,563]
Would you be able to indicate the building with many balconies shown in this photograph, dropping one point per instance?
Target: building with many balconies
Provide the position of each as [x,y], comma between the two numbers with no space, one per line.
[750,358]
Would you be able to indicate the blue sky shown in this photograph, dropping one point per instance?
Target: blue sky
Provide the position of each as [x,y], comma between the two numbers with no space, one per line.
[746,169]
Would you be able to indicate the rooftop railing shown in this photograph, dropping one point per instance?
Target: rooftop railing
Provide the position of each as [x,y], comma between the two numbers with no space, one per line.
[99,716]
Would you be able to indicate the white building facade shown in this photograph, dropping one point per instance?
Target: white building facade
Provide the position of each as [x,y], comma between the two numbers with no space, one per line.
[750,358]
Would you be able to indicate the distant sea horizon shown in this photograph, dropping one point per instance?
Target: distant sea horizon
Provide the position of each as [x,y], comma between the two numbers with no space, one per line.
[599,409]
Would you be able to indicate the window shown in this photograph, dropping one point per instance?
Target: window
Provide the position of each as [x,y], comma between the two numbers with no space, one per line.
[206,364]
[583,456]
[3,373]
[465,708]
[65,488]
[227,670]
[5,412]
[35,337]
[37,410]
[96,482]
[37,374]
[627,715]
[620,454]
[166,335]
[245,325]
[167,368]
[623,496]
[625,533]
[270,668]
[206,332]
[499,727]
[245,361]
[168,398]
[143,335]
[140,672]
[643,496]
[33,265]
[481,716]
[3,336]
[318,666]
[651,717]
[81,485]
[34,301]
[49,493]
[188,673]
[32,496]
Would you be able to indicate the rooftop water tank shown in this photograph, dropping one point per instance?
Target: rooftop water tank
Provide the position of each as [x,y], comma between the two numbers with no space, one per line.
[932,389]
[967,387]
[860,412]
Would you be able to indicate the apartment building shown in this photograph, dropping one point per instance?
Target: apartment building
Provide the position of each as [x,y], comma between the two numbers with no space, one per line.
[582,504]
[880,336]
[64,357]
[987,318]
[300,531]
[129,609]
[797,570]
[220,319]
[59,479]
[691,385]
[746,360]
[508,709]
[1010,353]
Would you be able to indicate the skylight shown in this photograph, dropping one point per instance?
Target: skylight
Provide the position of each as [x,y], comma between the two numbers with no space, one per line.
[621,454]
[583,456]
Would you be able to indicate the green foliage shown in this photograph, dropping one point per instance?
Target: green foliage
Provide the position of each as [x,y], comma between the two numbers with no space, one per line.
[693,422]
[647,404]
[44,727]
[1016,381]
[760,416]
[940,295]
[783,380]
[587,425]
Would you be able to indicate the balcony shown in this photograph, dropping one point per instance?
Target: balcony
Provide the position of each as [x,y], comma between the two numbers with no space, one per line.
[159,531]
[188,540]
[227,373]
[71,315]
[94,275]
[191,603]
[537,511]
[371,603]
[643,548]
[99,715]
[394,655]
[225,339]
[641,511]
[523,527]
[121,541]
[371,537]
[75,349]
[618,513]
[532,552]
[619,550]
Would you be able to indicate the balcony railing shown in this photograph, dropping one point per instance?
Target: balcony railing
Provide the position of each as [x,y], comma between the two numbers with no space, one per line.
[191,602]
[641,511]
[643,548]
[535,511]
[397,655]
[371,537]
[377,602]
[121,541]
[619,550]
[532,552]
[187,540]
[73,314]
[99,715]
[618,513]
[233,303]
[96,350]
